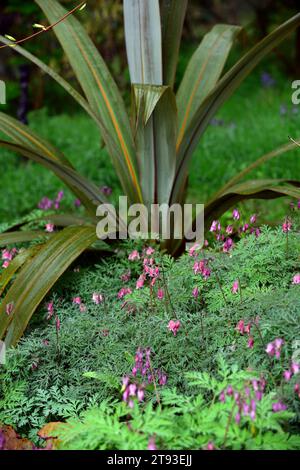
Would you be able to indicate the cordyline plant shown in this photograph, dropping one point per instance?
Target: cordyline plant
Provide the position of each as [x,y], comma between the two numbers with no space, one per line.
[151,151]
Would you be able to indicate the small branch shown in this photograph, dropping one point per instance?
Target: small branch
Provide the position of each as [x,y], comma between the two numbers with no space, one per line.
[297,143]
[44,30]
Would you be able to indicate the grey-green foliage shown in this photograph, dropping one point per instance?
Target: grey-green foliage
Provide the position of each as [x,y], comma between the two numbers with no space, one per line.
[208,328]
[183,422]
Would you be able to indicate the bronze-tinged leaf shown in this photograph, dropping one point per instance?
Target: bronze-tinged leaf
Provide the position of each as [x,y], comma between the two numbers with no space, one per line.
[11,238]
[49,431]
[172,14]
[23,256]
[203,73]
[155,117]
[218,96]
[37,277]
[10,440]
[101,92]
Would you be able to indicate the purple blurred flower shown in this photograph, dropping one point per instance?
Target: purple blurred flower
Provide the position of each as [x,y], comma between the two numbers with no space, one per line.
[267,80]
[283,110]
[106,190]
[216,122]
[45,203]
[227,245]
[278,406]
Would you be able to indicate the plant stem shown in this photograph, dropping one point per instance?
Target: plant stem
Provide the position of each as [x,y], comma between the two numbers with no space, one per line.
[264,347]
[220,286]
[166,288]
[154,383]
[202,328]
[151,299]
[57,346]
[228,424]
[240,290]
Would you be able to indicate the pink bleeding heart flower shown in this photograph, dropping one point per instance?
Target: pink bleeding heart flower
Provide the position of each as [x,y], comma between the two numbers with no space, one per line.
[270,350]
[286,226]
[7,255]
[295,368]
[124,291]
[235,287]
[215,226]
[140,282]
[49,228]
[195,292]
[274,348]
[97,298]
[151,444]
[287,375]
[134,255]
[236,214]
[9,308]
[296,279]
[194,249]
[240,327]
[174,326]
[227,245]
[50,310]
[210,446]
[160,294]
